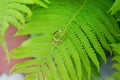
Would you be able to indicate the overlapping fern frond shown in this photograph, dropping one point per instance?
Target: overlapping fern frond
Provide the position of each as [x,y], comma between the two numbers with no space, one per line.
[116,75]
[66,40]
[116,65]
[11,12]
[115,7]
[14,12]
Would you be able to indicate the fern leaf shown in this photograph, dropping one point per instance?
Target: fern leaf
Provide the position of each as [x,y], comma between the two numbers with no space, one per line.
[22,1]
[23,51]
[28,70]
[92,38]
[16,15]
[52,68]
[83,55]
[39,2]
[68,61]
[12,14]
[86,45]
[47,72]
[27,63]
[116,58]
[116,65]
[66,36]
[116,48]
[78,58]
[9,13]
[61,66]
[96,30]
[30,77]
[47,1]
[116,74]
[115,7]
[21,8]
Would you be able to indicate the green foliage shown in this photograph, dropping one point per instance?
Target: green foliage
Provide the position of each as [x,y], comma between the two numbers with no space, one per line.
[116,48]
[116,75]
[67,39]
[41,3]
[115,7]
[11,12]
[14,12]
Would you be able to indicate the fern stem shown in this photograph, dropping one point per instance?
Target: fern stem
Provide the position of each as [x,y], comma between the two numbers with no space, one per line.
[4,45]
[67,25]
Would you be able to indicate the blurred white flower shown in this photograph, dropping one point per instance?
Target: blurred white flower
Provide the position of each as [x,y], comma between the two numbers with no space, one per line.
[5,76]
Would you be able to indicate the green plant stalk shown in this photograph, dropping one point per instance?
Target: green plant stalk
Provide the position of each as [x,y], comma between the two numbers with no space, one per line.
[4,46]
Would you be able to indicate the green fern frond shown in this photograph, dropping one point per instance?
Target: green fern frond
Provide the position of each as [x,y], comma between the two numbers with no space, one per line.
[11,12]
[39,45]
[116,74]
[115,7]
[15,12]
[67,38]
[38,2]
[116,48]
[116,65]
